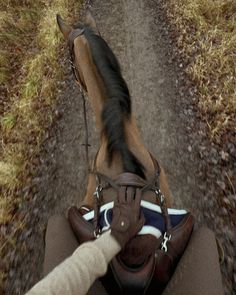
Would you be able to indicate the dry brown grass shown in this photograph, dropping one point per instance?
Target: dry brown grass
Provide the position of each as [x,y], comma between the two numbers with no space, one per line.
[29,72]
[207,37]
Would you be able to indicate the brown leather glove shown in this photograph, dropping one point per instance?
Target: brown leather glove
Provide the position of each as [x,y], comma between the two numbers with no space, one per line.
[127,220]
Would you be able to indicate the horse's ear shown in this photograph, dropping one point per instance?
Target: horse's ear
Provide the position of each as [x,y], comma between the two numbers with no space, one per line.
[90,21]
[65,29]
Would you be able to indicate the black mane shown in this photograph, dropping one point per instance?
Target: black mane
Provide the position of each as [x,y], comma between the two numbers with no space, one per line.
[117,108]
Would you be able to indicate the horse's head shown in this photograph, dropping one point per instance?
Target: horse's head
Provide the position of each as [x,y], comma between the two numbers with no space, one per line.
[66,29]
[77,42]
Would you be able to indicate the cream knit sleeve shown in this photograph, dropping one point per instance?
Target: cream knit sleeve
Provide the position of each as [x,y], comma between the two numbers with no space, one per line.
[76,274]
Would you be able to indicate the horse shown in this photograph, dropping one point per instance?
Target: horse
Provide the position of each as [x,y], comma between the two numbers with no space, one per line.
[99,74]
[122,157]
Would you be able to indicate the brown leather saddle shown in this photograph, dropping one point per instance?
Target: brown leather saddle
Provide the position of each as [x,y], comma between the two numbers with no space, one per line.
[147,262]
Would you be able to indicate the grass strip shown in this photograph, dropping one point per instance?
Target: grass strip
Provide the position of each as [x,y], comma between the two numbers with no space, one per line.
[206,35]
[29,72]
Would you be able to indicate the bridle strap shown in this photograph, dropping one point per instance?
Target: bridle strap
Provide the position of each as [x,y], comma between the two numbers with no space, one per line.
[86,144]
[72,36]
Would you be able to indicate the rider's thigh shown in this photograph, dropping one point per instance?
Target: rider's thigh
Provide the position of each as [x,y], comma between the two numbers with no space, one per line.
[60,242]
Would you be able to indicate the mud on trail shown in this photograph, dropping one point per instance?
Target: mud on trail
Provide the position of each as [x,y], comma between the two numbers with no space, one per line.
[136,32]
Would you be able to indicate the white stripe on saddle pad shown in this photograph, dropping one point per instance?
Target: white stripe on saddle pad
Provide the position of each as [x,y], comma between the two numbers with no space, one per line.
[144,204]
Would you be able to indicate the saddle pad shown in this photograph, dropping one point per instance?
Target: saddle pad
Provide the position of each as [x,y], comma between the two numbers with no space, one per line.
[154,221]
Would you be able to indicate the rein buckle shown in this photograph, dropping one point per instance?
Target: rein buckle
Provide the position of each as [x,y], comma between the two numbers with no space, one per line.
[160,195]
[97,192]
[164,243]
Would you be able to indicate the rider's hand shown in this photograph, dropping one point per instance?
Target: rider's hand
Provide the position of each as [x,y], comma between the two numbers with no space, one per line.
[127,219]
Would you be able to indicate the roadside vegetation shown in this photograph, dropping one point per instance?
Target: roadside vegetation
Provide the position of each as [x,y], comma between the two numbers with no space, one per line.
[29,73]
[206,36]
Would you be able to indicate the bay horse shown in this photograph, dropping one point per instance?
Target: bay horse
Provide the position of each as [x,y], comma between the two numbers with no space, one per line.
[121,147]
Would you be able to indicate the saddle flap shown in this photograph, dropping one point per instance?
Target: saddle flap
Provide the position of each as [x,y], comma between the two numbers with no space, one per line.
[181,234]
[168,259]
[82,228]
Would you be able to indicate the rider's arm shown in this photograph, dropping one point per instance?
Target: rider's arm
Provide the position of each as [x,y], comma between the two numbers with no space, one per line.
[78,272]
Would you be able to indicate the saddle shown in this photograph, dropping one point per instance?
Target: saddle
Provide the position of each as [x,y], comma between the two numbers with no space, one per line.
[148,261]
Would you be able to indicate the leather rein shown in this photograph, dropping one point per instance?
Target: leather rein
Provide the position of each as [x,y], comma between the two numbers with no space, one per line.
[72,36]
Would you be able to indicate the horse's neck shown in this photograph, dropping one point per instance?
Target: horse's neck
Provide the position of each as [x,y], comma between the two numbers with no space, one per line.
[97,96]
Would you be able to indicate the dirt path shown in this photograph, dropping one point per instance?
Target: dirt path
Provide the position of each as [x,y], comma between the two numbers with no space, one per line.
[136,33]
